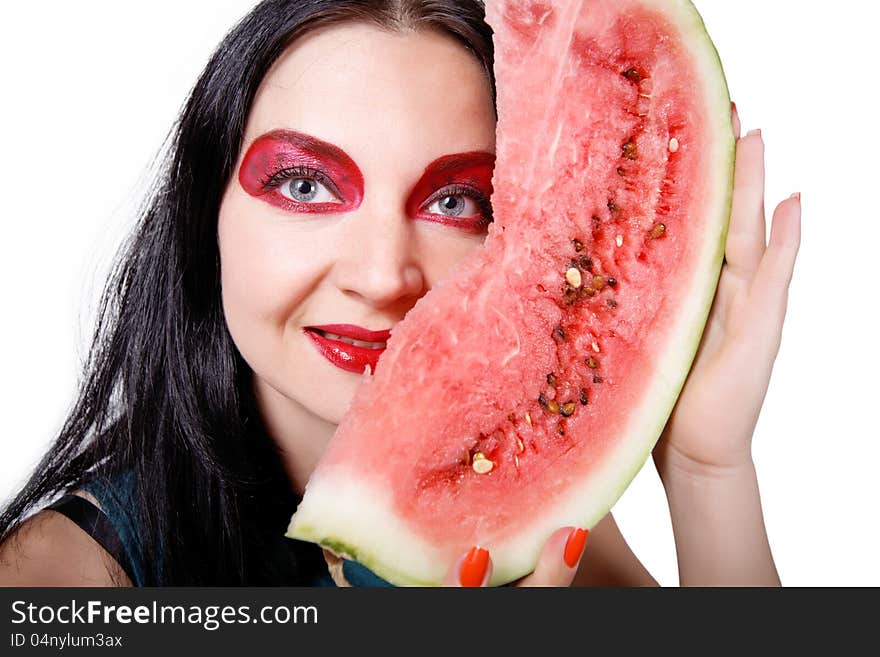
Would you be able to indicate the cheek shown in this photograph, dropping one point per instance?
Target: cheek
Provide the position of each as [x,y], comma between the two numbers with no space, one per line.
[445,250]
[265,274]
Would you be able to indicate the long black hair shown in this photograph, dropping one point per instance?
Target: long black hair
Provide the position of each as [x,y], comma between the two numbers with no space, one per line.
[166,399]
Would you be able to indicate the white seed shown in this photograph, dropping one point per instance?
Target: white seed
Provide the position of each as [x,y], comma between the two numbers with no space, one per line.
[573,276]
[528,419]
[482,465]
[619,241]
[596,347]
[673,145]
[520,446]
[516,460]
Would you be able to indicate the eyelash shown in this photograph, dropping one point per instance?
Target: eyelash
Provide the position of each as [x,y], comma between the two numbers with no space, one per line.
[280,177]
[462,190]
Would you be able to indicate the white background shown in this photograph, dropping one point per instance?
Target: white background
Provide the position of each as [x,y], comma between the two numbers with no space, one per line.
[90,89]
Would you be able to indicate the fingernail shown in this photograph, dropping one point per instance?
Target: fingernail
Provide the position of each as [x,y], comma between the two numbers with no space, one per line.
[796,195]
[473,569]
[574,547]
[733,108]
[754,133]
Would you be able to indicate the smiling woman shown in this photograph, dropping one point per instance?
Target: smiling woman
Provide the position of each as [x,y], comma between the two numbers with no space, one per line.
[332,164]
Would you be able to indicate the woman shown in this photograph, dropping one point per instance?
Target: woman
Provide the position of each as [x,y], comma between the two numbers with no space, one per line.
[279,225]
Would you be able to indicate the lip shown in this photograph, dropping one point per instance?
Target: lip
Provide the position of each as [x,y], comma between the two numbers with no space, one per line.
[346,356]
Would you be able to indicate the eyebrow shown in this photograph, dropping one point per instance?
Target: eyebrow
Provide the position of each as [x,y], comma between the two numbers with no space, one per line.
[306,142]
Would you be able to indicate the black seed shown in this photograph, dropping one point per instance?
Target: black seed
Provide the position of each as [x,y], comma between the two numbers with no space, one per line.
[583,396]
[561,428]
[567,409]
[613,207]
[559,333]
[612,303]
[551,379]
[620,171]
[612,282]
[630,150]
[632,74]
[597,378]
[592,363]
[578,246]
[585,263]
[542,400]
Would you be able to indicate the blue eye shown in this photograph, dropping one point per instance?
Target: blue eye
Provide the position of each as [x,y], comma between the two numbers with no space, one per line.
[455,205]
[307,190]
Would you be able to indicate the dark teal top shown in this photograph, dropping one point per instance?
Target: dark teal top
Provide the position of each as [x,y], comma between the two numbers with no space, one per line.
[117,501]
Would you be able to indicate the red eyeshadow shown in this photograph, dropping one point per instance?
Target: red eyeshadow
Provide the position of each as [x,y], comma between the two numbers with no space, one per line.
[473,170]
[282,150]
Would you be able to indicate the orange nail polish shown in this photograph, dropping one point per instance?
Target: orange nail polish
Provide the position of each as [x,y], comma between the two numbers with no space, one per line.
[574,547]
[473,569]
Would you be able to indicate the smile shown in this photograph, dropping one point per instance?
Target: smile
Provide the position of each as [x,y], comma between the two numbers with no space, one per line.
[351,341]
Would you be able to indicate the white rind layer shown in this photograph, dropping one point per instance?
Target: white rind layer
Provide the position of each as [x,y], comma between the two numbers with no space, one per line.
[340,504]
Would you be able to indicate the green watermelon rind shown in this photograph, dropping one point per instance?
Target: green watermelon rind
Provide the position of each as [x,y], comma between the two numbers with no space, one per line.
[327,526]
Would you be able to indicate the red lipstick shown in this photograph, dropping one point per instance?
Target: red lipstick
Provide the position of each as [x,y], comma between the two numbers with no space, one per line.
[346,356]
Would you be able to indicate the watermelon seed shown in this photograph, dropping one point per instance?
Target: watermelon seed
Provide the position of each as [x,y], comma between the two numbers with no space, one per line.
[612,282]
[570,293]
[551,379]
[612,303]
[481,464]
[633,75]
[591,362]
[598,283]
[528,418]
[567,409]
[620,171]
[553,406]
[573,276]
[630,150]
[585,262]
[657,232]
[596,347]
[673,145]
[561,427]
[619,241]
[520,446]
[511,418]
[542,400]
[516,460]
[597,378]
[559,333]
[584,395]
[578,245]
[588,292]
[613,207]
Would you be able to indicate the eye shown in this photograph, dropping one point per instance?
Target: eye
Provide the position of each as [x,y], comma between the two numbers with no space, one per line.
[307,190]
[455,205]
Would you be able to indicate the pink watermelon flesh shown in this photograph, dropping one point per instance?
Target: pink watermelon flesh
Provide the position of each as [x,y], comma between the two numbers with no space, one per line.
[615,155]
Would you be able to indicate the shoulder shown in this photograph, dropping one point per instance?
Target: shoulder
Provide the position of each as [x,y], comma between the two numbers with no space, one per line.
[49,549]
[609,561]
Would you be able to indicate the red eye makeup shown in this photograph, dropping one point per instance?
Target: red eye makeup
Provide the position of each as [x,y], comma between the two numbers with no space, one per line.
[301,174]
[461,176]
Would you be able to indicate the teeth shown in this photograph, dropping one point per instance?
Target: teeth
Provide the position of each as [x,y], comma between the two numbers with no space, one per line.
[356,343]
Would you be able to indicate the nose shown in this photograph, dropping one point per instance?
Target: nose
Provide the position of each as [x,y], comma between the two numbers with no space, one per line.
[376,259]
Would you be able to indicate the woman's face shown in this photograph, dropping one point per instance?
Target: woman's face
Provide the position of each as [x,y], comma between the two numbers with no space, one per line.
[364,178]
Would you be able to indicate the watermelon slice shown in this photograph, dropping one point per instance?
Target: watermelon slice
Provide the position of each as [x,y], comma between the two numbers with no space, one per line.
[525,392]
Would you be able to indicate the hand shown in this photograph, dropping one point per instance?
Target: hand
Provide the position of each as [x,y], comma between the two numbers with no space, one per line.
[710,430]
[557,564]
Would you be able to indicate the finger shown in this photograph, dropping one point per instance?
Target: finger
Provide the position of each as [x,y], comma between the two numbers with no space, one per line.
[746,237]
[559,559]
[734,117]
[777,266]
[471,569]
